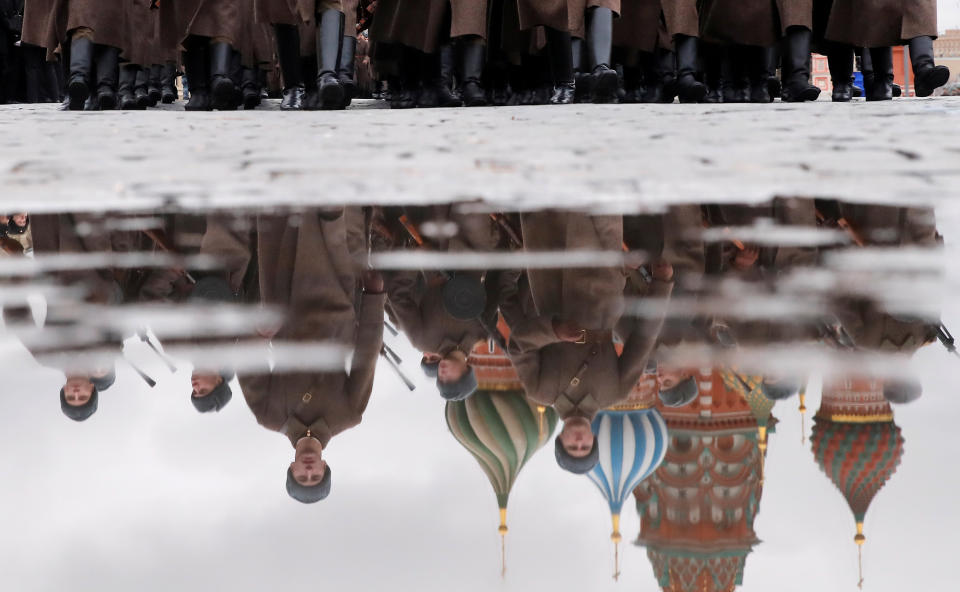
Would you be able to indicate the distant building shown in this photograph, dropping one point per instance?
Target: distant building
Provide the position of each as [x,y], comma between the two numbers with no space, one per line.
[947,45]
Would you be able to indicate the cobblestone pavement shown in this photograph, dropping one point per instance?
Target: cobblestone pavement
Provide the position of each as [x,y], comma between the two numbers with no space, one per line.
[622,156]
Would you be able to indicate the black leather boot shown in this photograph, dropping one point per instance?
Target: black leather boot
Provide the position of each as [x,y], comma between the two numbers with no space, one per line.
[153,84]
[581,78]
[882,87]
[108,64]
[688,89]
[288,54]
[633,90]
[600,41]
[250,88]
[329,36]
[168,86]
[140,89]
[345,72]
[436,79]
[736,81]
[128,80]
[222,89]
[81,64]
[471,89]
[840,58]
[764,68]
[561,66]
[712,56]
[667,69]
[927,76]
[196,62]
[796,67]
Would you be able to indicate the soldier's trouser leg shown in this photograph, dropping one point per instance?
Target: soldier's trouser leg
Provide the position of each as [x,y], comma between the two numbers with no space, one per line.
[600,43]
[561,65]
[329,36]
[81,64]
[927,75]
[153,86]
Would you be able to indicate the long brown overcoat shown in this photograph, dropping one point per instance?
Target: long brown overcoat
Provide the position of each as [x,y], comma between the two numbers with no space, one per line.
[107,19]
[742,22]
[312,272]
[36,22]
[419,23]
[548,13]
[638,26]
[682,17]
[795,13]
[577,379]
[142,30]
[881,23]
[203,18]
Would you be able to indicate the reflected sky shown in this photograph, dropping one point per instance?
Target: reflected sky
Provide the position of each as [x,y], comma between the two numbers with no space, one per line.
[150,494]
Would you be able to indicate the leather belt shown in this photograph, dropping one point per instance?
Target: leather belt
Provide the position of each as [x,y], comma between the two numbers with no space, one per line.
[599,336]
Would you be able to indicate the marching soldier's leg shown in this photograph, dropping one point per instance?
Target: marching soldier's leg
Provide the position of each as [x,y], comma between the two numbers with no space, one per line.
[927,75]
[288,54]
[600,37]
[473,59]
[329,35]
[81,64]
[153,84]
[140,91]
[561,66]
[882,87]
[840,58]
[796,66]
[688,89]
[128,80]
[222,88]
[197,65]
[168,87]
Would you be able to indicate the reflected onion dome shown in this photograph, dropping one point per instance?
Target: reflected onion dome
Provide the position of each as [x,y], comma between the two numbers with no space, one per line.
[502,430]
[856,443]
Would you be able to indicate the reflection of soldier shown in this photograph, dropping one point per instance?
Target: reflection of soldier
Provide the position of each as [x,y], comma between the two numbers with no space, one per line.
[444,314]
[313,271]
[562,325]
[65,340]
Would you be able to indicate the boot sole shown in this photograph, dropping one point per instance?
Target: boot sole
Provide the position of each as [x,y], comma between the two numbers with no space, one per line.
[107,102]
[331,97]
[604,87]
[937,78]
[222,95]
[79,93]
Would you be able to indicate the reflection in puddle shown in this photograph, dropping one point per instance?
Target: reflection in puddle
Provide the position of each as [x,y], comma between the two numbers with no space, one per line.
[651,349]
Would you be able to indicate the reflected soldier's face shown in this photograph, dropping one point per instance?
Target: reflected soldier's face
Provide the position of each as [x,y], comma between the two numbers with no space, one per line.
[78,390]
[451,370]
[576,437]
[20,220]
[667,378]
[308,468]
[203,383]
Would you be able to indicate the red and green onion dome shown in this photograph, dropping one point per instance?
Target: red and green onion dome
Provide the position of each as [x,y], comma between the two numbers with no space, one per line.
[859,458]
